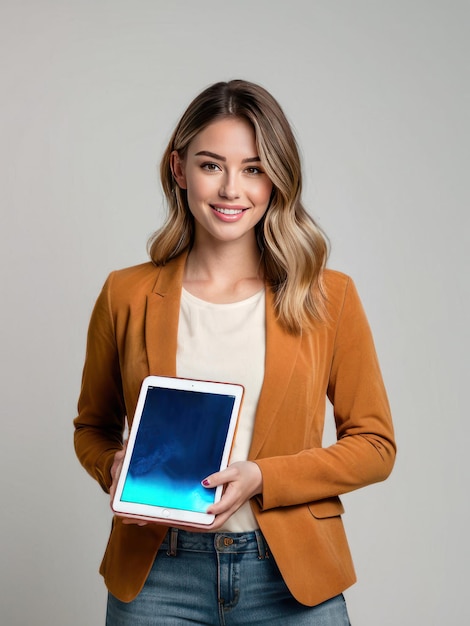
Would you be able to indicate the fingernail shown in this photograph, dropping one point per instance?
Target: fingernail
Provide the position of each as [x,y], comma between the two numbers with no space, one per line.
[205,482]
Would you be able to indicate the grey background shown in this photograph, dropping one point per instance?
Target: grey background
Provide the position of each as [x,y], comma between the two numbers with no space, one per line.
[378,94]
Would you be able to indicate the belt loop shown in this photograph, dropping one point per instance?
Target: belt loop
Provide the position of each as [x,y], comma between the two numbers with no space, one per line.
[263,551]
[173,542]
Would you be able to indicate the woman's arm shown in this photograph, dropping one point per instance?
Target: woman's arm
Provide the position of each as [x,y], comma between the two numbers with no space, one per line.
[101,410]
[365,450]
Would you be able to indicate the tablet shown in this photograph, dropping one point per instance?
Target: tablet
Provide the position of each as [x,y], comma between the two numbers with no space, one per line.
[183,430]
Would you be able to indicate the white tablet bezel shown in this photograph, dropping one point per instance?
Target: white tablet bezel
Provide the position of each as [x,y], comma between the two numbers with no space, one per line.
[167,515]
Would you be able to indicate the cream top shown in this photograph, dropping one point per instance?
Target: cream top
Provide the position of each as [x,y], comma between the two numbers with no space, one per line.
[226,343]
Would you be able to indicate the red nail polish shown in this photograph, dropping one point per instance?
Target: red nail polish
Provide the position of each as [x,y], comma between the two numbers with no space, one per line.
[205,482]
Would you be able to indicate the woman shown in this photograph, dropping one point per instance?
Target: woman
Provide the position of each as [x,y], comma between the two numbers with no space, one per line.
[237,291]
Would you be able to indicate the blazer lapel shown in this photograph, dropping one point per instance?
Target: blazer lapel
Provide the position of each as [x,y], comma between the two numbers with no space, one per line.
[282,348]
[161,323]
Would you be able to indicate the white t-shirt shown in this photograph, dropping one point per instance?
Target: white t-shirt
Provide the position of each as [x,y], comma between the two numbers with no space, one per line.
[226,342]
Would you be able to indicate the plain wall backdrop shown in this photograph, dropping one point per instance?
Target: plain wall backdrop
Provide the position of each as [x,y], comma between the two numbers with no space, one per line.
[378,95]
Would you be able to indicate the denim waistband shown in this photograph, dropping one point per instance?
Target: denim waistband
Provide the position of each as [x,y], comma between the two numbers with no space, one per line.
[252,541]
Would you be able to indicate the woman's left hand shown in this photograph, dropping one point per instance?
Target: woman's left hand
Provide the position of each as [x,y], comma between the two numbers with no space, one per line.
[242,481]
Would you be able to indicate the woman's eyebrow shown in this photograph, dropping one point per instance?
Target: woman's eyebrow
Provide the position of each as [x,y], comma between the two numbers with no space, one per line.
[213,155]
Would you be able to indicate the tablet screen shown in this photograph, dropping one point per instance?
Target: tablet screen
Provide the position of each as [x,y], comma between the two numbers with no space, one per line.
[180,440]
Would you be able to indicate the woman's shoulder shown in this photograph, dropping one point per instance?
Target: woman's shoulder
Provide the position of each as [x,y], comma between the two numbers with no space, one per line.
[335,279]
[130,285]
[133,282]
[142,276]
[140,271]
[338,289]
[335,283]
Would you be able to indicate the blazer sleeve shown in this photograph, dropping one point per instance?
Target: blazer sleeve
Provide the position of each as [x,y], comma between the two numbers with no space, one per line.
[101,416]
[365,449]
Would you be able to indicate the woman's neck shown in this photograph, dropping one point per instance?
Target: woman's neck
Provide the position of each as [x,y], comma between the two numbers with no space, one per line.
[225,273]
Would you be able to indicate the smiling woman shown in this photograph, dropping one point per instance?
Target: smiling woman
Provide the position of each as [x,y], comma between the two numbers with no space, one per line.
[294,270]
[238,291]
[222,186]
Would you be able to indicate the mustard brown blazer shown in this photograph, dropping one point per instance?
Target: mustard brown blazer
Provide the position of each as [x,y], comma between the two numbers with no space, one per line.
[133,333]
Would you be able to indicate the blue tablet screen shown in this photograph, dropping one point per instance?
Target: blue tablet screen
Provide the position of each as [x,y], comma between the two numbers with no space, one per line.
[180,441]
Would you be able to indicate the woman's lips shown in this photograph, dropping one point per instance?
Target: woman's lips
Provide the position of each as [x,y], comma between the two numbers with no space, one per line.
[228,210]
[228,213]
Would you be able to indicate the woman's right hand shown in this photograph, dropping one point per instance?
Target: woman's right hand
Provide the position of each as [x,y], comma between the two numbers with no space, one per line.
[116,468]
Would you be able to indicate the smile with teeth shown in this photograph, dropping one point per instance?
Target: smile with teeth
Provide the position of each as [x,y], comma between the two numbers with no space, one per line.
[226,211]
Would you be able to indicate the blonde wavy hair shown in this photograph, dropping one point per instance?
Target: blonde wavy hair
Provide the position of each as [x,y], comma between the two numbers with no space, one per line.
[294,248]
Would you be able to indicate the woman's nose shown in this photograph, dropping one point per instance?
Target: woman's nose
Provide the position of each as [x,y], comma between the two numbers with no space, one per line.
[229,187]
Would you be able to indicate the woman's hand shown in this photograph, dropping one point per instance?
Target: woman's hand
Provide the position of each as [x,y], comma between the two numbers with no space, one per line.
[115,472]
[242,481]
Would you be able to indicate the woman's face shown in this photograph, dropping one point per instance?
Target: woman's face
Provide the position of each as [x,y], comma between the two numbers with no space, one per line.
[228,190]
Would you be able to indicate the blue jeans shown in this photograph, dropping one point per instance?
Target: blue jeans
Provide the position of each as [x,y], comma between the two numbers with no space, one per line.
[219,579]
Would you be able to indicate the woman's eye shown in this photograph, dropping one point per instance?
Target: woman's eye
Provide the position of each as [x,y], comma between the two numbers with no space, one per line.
[210,167]
[253,170]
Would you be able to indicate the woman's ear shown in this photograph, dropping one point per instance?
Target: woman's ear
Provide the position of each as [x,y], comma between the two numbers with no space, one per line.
[177,169]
